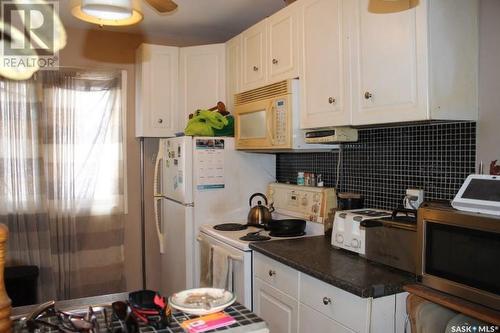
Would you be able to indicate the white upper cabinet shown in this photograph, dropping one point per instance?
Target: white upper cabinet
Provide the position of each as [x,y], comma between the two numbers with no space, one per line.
[157,73]
[325,90]
[389,76]
[233,70]
[270,50]
[283,45]
[254,42]
[202,79]
[415,64]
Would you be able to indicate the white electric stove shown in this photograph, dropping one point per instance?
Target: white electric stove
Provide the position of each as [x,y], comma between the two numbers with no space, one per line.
[312,204]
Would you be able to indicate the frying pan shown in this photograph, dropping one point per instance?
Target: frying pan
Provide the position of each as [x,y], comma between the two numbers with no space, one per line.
[286,227]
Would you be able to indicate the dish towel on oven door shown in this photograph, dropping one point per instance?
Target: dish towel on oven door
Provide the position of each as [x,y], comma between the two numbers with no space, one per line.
[221,268]
[205,263]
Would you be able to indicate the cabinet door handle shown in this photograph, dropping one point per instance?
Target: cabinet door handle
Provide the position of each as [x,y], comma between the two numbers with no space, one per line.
[331,100]
[255,68]
[272,273]
[275,61]
[368,95]
[160,121]
[327,300]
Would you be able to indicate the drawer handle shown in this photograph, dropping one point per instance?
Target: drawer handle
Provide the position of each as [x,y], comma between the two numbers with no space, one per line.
[327,300]
[160,121]
[255,68]
[331,100]
[272,273]
[368,95]
[275,61]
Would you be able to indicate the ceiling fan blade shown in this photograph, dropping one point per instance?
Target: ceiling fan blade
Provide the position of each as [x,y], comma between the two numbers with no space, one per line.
[162,6]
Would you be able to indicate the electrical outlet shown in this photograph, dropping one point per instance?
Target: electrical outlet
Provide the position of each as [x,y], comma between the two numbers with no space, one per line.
[413,198]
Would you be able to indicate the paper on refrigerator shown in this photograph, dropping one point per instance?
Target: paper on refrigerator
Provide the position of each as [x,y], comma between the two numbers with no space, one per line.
[210,162]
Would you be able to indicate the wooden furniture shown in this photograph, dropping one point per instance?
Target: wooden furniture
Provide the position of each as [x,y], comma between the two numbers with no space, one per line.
[325,89]
[202,79]
[420,63]
[455,303]
[5,304]
[233,70]
[270,50]
[365,62]
[157,76]
[173,82]
[293,302]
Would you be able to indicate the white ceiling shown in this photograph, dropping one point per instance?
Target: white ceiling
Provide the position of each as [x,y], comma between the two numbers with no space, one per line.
[193,22]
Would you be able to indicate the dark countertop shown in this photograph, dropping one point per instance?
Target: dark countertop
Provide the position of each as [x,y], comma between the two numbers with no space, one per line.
[348,271]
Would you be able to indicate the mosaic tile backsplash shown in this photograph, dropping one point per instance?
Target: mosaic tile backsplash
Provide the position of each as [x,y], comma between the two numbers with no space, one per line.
[435,157]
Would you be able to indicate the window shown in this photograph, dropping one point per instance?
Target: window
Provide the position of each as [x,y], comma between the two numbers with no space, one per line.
[61,141]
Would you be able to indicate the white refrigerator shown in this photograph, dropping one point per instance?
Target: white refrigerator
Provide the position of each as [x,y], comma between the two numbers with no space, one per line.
[200,180]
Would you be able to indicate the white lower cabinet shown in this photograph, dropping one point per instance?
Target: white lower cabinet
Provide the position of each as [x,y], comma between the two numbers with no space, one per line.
[311,320]
[291,301]
[277,309]
[346,308]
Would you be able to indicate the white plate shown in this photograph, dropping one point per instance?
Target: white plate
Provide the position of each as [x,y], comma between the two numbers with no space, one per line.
[202,301]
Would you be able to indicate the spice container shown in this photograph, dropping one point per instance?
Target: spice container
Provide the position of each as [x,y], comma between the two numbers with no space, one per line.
[300,179]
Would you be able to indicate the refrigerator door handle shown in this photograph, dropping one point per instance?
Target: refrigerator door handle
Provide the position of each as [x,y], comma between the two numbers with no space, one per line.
[157,202]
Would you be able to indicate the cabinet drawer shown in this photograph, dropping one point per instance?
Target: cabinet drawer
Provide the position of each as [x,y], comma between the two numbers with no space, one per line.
[312,321]
[281,277]
[348,309]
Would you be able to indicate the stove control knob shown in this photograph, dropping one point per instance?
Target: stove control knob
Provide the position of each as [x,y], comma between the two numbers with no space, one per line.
[339,238]
[355,243]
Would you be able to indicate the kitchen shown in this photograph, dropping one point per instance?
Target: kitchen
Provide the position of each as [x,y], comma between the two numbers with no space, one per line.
[435,143]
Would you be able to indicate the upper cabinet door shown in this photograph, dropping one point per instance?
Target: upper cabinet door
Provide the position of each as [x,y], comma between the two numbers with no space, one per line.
[390,71]
[202,78]
[254,41]
[233,70]
[283,44]
[325,92]
[157,73]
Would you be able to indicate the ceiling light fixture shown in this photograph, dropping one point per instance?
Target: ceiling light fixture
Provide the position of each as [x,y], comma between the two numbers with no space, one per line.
[107,12]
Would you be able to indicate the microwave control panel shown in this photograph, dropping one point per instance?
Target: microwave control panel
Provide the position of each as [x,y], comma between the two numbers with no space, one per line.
[280,120]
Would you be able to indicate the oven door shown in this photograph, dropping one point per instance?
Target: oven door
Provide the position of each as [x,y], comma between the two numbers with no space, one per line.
[459,255]
[241,261]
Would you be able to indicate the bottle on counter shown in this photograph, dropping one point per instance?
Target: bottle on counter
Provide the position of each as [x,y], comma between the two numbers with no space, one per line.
[300,179]
[319,181]
[307,179]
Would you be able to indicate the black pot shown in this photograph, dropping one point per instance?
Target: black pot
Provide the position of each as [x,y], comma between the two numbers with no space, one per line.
[286,228]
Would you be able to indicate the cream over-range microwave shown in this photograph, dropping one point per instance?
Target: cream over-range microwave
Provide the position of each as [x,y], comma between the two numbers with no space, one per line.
[267,119]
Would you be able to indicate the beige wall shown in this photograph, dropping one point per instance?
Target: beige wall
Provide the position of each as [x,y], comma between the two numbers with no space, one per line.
[112,50]
[488,144]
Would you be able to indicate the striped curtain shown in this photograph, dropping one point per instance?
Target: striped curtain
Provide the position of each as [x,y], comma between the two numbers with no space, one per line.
[61,177]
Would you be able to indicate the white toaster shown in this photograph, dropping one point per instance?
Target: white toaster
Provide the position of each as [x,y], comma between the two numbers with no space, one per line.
[347,232]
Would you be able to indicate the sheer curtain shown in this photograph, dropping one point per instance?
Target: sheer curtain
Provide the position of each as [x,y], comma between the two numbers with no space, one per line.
[62,165]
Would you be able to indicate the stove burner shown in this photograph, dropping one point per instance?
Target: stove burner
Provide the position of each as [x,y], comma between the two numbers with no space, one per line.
[286,235]
[230,227]
[254,238]
[371,213]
